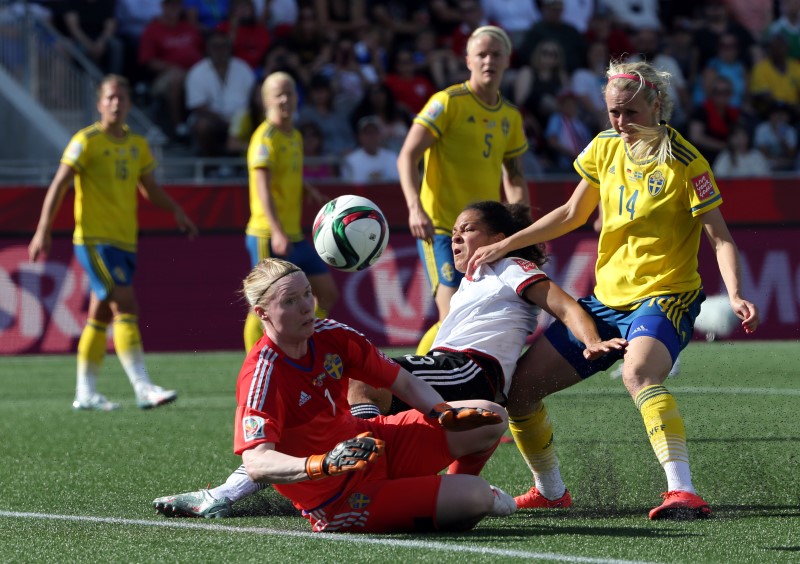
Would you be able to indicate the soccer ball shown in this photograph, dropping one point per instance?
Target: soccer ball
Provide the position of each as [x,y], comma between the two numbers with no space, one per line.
[350,233]
[716,318]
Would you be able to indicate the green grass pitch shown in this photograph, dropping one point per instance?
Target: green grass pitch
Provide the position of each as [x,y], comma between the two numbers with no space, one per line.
[77,487]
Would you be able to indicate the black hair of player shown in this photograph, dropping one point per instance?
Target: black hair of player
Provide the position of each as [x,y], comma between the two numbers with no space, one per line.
[508,219]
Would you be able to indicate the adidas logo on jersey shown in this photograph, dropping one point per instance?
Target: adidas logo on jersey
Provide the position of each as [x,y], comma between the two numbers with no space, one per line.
[304,397]
[639,328]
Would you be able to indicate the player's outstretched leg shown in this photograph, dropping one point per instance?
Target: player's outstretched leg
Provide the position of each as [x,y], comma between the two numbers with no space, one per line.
[193,504]
[534,437]
[214,502]
[667,435]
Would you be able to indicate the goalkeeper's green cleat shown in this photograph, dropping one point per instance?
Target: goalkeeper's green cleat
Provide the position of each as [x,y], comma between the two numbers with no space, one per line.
[193,504]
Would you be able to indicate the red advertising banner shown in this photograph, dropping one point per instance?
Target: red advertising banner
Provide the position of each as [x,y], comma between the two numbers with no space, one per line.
[764,201]
[188,290]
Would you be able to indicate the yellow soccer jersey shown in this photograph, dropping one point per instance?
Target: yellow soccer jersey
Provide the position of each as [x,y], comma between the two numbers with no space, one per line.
[651,227]
[465,163]
[282,154]
[107,170]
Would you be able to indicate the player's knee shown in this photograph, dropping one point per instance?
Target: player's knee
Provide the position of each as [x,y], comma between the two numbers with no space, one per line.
[478,496]
[360,392]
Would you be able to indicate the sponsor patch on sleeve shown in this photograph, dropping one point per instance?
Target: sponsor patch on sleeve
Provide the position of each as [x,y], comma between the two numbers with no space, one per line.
[703,186]
[74,150]
[435,109]
[253,427]
[526,265]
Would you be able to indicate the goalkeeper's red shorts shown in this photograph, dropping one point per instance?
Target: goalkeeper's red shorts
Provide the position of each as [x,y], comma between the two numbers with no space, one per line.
[398,491]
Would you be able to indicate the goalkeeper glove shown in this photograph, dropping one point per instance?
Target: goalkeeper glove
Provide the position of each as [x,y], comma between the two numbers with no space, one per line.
[347,456]
[463,418]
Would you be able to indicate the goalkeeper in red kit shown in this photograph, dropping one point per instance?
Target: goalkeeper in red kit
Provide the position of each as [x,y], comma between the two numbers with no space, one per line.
[294,429]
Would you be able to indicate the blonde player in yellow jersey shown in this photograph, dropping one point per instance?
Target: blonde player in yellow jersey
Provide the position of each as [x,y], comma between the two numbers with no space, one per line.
[472,142]
[658,195]
[277,192]
[109,165]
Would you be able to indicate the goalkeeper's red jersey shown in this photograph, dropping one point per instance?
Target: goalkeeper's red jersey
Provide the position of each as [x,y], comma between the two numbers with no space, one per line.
[301,404]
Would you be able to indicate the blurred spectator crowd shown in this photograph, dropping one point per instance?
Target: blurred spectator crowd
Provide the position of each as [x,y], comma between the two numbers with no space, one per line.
[364,68]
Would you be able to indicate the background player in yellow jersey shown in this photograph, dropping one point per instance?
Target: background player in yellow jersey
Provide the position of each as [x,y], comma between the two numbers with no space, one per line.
[109,165]
[472,141]
[277,191]
[658,195]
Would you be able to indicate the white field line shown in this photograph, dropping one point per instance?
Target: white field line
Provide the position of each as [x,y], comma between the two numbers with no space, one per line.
[579,390]
[677,388]
[355,539]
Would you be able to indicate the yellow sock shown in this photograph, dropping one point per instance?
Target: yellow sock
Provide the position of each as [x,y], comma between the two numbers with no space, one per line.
[253,331]
[663,423]
[91,352]
[128,344]
[426,343]
[534,437]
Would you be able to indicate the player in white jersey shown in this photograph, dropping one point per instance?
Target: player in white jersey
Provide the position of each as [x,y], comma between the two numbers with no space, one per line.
[474,355]
[491,314]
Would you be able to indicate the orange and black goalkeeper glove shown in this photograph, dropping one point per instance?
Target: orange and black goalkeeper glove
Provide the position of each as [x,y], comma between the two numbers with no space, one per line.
[347,456]
[463,418]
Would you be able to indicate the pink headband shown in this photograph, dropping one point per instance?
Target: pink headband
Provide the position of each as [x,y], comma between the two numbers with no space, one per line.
[635,78]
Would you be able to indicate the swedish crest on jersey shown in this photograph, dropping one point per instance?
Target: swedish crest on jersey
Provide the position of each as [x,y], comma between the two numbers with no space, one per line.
[655,183]
[333,366]
[358,500]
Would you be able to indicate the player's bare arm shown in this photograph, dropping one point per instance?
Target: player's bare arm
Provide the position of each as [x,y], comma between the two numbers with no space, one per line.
[568,217]
[729,267]
[279,241]
[417,142]
[453,416]
[311,195]
[52,202]
[264,464]
[555,301]
[156,195]
[514,184]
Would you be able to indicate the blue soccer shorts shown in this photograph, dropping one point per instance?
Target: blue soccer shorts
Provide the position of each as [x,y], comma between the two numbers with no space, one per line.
[669,319]
[437,259]
[107,266]
[302,254]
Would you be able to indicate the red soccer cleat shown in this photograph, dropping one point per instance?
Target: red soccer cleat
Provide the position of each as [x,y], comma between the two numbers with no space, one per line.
[681,505]
[532,499]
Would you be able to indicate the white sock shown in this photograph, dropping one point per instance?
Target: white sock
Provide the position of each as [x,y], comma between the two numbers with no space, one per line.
[679,476]
[133,363]
[550,484]
[86,383]
[237,486]
[504,504]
